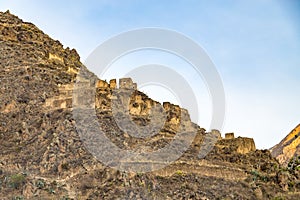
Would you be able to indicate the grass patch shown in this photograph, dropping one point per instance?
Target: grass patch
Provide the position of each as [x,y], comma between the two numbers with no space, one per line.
[17,180]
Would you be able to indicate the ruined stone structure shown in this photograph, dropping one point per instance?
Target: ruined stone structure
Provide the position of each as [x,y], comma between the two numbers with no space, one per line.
[126,83]
[240,145]
[216,132]
[102,84]
[113,84]
[229,135]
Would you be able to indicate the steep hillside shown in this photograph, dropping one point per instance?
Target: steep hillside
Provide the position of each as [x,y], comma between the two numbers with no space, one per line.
[43,156]
[288,148]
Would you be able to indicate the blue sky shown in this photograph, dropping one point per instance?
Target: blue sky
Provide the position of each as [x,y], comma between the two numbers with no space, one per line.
[255,46]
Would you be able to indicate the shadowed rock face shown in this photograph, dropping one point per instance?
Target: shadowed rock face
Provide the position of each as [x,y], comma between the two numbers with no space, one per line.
[43,157]
[288,148]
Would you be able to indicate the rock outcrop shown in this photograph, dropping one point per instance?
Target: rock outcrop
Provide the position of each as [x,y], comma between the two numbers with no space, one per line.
[43,157]
[288,148]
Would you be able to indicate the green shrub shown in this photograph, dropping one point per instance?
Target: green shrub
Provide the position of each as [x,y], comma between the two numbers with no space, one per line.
[179,172]
[51,191]
[17,180]
[40,184]
[257,176]
[18,198]
[65,198]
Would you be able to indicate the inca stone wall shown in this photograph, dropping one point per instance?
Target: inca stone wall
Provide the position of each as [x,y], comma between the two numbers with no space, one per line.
[240,145]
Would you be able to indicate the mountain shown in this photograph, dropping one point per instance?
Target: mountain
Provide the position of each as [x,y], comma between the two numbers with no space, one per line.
[48,99]
[288,148]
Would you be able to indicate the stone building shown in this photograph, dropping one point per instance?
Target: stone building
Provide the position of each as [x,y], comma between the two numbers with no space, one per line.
[113,84]
[229,135]
[127,83]
[102,84]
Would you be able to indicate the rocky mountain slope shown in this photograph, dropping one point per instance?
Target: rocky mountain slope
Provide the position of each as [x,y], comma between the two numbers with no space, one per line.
[289,148]
[42,155]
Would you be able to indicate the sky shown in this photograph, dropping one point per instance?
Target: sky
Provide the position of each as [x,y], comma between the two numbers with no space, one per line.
[255,46]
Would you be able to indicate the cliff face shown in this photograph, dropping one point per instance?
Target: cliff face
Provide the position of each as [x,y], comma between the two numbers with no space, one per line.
[288,148]
[43,157]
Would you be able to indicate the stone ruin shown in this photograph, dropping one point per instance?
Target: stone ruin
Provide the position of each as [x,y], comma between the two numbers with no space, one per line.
[113,84]
[240,145]
[140,107]
[127,83]
[229,135]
